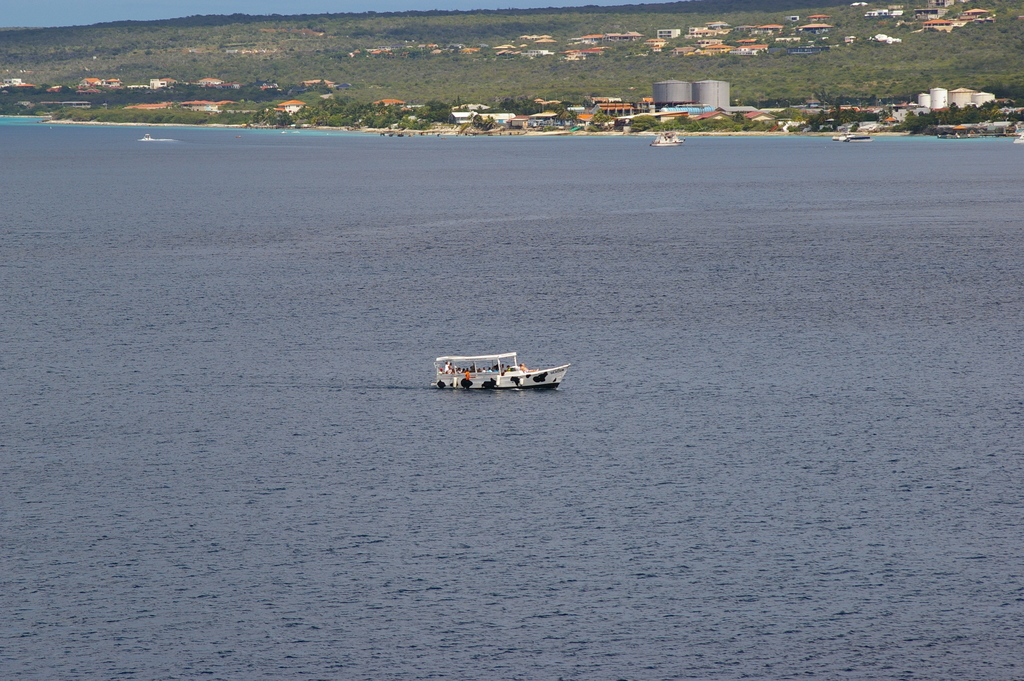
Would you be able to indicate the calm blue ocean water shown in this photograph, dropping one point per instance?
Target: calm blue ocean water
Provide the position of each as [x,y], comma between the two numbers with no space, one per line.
[791,444]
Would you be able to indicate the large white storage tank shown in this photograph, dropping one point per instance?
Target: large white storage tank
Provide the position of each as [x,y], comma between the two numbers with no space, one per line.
[961,97]
[939,97]
[981,98]
[673,92]
[713,93]
[924,100]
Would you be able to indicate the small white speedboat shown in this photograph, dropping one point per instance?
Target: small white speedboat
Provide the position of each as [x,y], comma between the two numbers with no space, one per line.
[666,139]
[851,137]
[493,372]
[1020,139]
[149,138]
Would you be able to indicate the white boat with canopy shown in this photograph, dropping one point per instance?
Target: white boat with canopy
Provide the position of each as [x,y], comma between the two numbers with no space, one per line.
[497,372]
[667,139]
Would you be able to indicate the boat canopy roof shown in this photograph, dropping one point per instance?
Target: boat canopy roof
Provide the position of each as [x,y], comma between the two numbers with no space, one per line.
[476,358]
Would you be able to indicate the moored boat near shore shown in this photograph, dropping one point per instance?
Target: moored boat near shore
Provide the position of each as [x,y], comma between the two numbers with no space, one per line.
[851,137]
[496,372]
[666,139]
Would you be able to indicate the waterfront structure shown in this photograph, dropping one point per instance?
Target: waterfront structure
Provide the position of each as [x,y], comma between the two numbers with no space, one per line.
[705,93]
[673,92]
[941,98]
[961,96]
[713,93]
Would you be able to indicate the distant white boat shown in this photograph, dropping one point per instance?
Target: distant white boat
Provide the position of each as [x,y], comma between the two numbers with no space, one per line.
[1020,139]
[149,138]
[666,139]
[851,137]
[494,372]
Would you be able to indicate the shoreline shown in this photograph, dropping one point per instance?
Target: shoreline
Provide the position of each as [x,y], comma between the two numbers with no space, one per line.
[454,132]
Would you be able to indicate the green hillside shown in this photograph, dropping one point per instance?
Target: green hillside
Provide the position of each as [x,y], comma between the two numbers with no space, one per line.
[422,59]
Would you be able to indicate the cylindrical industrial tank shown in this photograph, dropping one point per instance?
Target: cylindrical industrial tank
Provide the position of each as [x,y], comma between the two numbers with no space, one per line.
[939,97]
[961,97]
[924,100]
[980,98]
[713,93]
[673,92]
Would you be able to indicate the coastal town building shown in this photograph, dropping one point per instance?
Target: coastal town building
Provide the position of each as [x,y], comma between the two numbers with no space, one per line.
[291,106]
[206,106]
[749,50]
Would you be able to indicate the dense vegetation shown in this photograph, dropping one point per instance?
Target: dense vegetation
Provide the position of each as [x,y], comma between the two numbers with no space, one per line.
[341,48]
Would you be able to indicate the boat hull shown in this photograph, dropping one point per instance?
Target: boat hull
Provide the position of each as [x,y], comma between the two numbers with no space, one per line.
[536,379]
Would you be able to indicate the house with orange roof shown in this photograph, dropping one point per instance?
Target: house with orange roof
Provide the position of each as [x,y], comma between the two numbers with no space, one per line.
[713,116]
[718,49]
[941,25]
[90,82]
[683,51]
[767,29]
[759,117]
[621,37]
[749,50]
[977,15]
[390,102]
[209,107]
[700,32]
[617,108]
[291,106]
[815,29]
[818,17]
[151,107]
[592,39]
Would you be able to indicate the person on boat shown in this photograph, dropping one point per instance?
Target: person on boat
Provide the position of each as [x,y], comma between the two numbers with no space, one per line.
[522,367]
[467,374]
